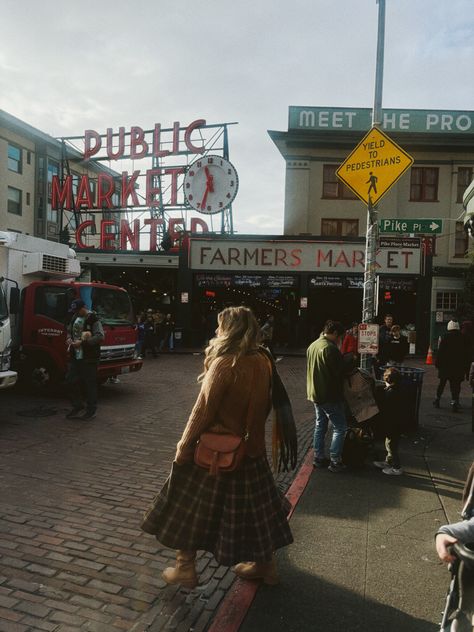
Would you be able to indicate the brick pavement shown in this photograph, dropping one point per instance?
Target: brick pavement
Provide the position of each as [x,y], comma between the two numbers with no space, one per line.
[72,554]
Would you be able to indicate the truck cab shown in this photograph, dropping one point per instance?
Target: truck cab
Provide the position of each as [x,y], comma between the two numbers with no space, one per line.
[44,317]
[45,273]
[8,377]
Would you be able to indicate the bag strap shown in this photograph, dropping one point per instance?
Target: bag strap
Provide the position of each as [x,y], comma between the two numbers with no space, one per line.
[249,410]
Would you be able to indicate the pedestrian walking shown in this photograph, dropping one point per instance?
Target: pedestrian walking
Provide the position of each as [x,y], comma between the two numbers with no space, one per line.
[325,375]
[240,514]
[453,363]
[167,335]
[84,337]
[349,342]
[149,340]
[395,348]
[391,404]
[266,333]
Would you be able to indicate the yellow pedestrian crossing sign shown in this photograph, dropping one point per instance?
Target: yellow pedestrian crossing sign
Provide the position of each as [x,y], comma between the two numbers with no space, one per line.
[374,166]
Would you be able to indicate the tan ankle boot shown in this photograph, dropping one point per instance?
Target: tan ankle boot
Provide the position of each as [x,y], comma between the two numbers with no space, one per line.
[184,573]
[258,570]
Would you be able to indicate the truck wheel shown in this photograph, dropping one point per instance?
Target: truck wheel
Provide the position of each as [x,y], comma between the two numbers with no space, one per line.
[40,375]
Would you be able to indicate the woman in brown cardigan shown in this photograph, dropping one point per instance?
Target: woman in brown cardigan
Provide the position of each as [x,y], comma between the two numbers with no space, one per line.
[238,515]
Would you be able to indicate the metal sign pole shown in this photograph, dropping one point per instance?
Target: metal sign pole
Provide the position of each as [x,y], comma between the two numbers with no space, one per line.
[372,235]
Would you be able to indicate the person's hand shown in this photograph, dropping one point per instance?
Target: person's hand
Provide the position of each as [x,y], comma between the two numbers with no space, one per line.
[77,344]
[69,342]
[86,335]
[443,541]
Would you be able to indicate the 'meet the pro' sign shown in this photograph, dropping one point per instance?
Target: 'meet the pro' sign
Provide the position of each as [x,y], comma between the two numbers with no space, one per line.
[374,166]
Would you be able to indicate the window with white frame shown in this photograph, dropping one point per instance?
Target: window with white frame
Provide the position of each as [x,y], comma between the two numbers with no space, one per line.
[447,301]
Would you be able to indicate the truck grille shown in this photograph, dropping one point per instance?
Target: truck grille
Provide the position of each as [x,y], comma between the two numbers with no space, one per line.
[119,352]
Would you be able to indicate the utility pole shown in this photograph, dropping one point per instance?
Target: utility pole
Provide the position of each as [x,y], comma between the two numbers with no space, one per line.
[372,234]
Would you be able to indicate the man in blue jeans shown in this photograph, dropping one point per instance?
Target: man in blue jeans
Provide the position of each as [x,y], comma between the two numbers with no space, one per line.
[325,372]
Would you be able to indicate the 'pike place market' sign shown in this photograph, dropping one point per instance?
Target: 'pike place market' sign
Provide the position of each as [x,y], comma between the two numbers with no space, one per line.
[141,144]
[294,256]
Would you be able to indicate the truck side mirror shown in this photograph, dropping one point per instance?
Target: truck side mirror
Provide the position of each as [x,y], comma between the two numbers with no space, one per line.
[14,300]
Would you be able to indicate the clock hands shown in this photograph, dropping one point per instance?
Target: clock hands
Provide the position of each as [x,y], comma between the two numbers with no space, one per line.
[209,187]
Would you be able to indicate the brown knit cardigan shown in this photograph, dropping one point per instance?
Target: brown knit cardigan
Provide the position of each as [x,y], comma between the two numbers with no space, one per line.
[228,397]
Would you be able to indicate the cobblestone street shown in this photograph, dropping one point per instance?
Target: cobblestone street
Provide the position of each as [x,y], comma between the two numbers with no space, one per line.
[73,492]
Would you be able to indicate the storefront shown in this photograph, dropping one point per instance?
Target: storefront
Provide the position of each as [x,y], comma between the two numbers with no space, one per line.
[300,282]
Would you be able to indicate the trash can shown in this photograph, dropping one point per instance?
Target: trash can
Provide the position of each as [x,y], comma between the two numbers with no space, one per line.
[411,385]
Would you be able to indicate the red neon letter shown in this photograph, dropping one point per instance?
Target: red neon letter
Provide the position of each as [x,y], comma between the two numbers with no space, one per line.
[137,137]
[80,229]
[175,149]
[195,222]
[105,237]
[151,190]
[84,197]
[174,172]
[104,193]
[59,196]
[89,151]
[153,224]
[159,153]
[127,234]
[110,143]
[187,136]
[128,188]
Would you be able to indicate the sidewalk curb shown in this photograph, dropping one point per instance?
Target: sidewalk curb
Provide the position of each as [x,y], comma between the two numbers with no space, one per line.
[236,603]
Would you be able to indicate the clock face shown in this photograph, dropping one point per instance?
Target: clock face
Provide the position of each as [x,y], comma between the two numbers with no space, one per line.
[210,184]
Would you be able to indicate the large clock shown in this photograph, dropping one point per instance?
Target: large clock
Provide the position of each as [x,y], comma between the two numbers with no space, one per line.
[210,184]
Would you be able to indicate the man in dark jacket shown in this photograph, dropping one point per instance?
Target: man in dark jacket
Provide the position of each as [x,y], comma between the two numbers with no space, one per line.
[85,335]
[325,373]
[452,362]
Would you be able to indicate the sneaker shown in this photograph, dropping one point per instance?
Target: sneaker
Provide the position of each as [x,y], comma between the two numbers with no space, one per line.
[382,465]
[454,407]
[393,471]
[436,403]
[89,414]
[321,462]
[113,380]
[74,412]
[336,467]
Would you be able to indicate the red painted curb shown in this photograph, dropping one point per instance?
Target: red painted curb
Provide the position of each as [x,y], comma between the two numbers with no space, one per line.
[238,600]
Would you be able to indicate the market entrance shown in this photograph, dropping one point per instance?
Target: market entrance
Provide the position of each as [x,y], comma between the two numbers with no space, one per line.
[148,287]
[340,301]
[399,298]
[266,295]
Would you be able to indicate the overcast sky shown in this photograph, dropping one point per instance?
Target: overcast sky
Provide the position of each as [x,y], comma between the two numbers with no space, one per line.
[66,67]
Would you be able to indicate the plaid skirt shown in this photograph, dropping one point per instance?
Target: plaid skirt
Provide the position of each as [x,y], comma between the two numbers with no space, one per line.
[237,516]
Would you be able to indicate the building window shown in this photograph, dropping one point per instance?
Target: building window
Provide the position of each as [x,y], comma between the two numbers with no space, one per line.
[14,201]
[424,184]
[340,227]
[27,198]
[53,170]
[333,188]
[14,158]
[464,180]
[447,301]
[28,157]
[461,240]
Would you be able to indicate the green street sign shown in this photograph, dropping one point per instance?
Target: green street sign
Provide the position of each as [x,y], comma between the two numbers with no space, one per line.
[423,226]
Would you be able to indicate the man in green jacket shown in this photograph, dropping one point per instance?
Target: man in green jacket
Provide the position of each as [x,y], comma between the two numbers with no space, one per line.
[325,371]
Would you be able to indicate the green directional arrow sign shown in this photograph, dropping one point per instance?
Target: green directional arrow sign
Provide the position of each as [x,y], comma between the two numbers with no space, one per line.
[422,226]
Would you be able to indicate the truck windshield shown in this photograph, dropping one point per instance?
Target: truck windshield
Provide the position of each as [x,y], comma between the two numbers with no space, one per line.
[3,306]
[113,307]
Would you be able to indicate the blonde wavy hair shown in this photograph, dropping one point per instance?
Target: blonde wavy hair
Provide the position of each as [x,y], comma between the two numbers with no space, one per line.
[238,333]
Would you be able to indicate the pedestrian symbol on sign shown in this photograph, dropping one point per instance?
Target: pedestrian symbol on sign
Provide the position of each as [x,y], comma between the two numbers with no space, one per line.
[373,183]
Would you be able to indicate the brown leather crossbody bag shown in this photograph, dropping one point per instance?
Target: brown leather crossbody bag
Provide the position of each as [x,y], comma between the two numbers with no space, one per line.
[219,452]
